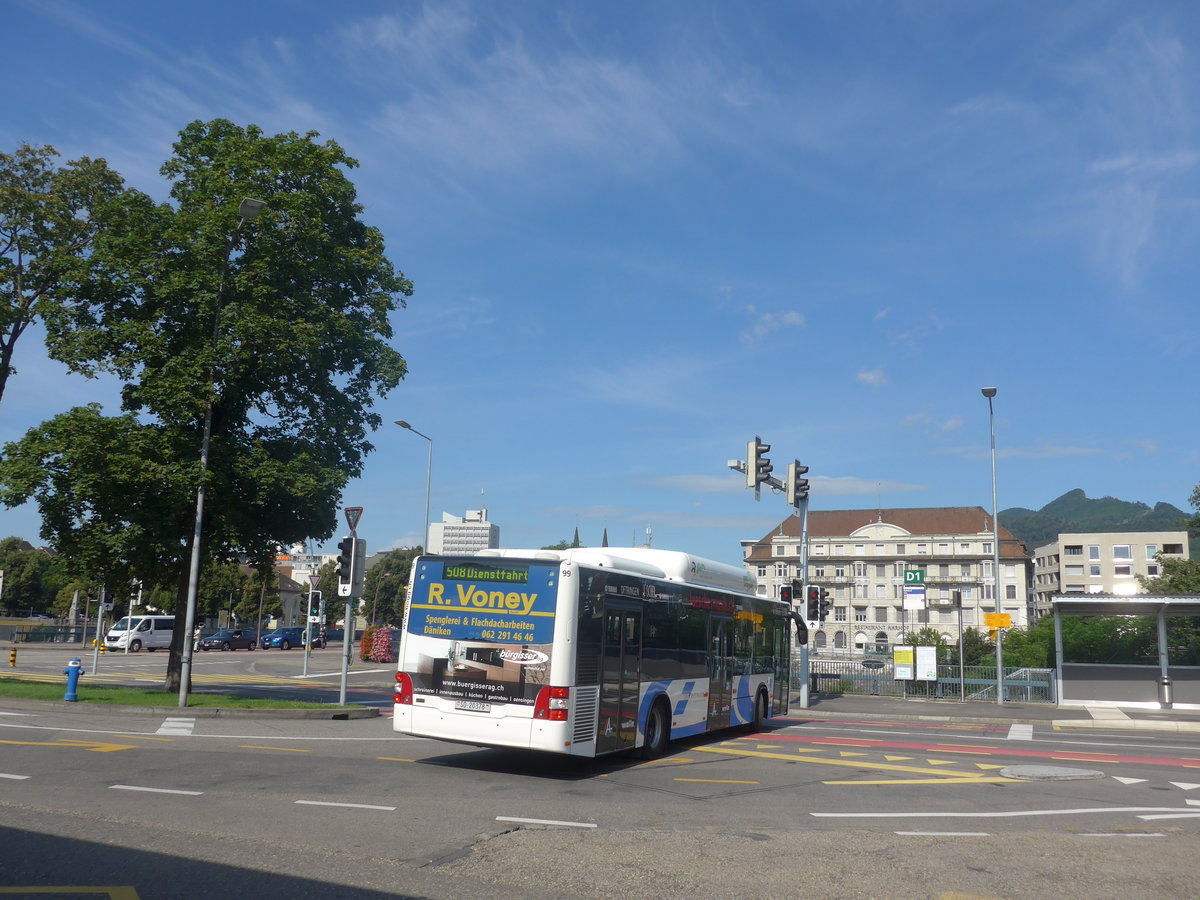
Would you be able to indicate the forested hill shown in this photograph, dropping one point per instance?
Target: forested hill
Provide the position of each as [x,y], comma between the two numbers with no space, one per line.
[1074,512]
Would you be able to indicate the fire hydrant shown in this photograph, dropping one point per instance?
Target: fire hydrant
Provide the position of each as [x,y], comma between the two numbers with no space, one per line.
[73,670]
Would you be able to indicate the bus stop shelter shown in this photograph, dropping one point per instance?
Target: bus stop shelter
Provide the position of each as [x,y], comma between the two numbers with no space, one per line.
[1161,686]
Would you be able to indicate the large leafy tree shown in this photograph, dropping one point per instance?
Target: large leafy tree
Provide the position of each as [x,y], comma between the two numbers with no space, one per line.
[49,217]
[278,326]
[386,585]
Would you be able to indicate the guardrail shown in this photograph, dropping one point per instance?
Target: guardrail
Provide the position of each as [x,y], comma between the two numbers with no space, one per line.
[876,677]
[42,633]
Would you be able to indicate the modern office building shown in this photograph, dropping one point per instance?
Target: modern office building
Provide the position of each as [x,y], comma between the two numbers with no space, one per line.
[468,534]
[861,556]
[1104,563]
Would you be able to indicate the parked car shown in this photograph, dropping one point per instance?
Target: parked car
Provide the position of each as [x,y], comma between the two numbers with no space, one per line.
[287,637]
[230,639]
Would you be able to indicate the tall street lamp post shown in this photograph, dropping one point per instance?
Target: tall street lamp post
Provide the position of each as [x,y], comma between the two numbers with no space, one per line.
[990,392]
[428,477]
[248,209]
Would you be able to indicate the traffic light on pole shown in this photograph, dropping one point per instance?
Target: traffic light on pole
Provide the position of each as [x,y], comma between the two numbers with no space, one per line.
[812,603]
[823,603]
[345,560]
[797,487]
[758,467]
[785,594]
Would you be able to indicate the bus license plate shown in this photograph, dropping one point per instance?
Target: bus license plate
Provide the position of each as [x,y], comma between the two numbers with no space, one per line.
[473,706]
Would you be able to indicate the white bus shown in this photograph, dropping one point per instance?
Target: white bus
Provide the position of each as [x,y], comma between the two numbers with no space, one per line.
[587,651]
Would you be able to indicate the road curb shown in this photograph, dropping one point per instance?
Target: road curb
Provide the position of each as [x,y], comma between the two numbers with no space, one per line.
[198,712]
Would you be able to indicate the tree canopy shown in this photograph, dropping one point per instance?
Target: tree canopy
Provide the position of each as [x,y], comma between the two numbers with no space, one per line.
[279,324]
[49,217]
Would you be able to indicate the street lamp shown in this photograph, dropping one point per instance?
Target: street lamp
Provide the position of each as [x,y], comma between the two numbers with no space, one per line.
[990,392]
[248,209]
[428,477]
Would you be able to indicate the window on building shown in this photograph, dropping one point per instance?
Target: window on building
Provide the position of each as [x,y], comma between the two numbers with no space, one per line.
[964,547]
[879,550]
[987,547]
[818,571]
[839,614]
[881,570]
[1122,551]
[966,593]
[839,641]
[1073,550]
[1123,571]
[860,614]
[1094,571]
[860,550]
[1151,549]
[818,549]
[762,570]
[900,551]
[860,570]
[1010,592]
[881,614]
[837,550]
[1075,570]
[1074,589]
[778,550]
[898,569]
[1093,551]
[1152,569]
[781,570]
[881,592]
[1177,549]
[944,570]
[839,571]
[944,549]
[922,548]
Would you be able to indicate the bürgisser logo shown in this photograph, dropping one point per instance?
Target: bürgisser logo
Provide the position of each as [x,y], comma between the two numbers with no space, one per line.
[524,657]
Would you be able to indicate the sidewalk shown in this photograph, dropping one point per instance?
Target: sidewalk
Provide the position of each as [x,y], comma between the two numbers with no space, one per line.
[838,706]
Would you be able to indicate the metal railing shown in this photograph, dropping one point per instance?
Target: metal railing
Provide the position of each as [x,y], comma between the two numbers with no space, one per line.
[875,677]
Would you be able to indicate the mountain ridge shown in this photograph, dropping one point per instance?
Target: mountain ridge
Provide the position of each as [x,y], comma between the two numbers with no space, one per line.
[1075,512]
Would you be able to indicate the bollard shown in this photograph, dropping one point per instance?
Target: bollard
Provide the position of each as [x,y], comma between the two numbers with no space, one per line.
[73,670]
[1164,692]
[100,642]
[12,657]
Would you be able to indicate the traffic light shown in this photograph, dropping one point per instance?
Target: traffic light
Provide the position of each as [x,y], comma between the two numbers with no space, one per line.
[812,598]
[758,467]
[823,603]
[345,560]
[785,594]
[797,487]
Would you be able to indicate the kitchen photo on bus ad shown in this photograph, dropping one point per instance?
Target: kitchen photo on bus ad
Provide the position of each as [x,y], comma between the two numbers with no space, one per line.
[474,670]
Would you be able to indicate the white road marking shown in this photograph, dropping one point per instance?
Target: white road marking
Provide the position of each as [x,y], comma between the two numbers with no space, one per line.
[544,822]
[943,833]
[150,790]
[13,777]
[1020,732]
[1185,786]
[1119,834]
[1101,713]
[1129,780]
[1010,814]
[176,725]
[346,805]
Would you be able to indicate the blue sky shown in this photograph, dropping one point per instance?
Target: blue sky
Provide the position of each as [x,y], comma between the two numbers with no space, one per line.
[642,233]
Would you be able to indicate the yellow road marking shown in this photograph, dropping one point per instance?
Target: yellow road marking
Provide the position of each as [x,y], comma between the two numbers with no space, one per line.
[394,759]
[143,737]
[123,892]
[987,766]
[94,746]
[856,764]
[973,779]
[940,762]
[280,749]
[849,753]
[896,758]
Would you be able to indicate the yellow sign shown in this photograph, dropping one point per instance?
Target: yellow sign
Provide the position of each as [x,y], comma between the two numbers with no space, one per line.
[997,620]
[902,655]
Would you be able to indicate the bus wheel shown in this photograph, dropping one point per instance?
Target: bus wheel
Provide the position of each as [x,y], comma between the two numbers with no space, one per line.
[760,712]
[658,728]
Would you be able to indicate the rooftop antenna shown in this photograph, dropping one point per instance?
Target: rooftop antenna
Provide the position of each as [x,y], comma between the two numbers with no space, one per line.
[649,536]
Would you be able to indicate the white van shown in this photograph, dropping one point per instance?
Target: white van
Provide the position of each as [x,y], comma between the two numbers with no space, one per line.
[136,632]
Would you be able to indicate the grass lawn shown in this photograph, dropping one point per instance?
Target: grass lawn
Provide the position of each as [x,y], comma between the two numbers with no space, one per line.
[127,696]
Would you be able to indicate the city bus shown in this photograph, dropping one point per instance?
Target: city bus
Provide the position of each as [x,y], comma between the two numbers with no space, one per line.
[587,651]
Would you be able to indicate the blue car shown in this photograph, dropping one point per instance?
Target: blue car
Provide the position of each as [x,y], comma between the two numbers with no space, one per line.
[287,637]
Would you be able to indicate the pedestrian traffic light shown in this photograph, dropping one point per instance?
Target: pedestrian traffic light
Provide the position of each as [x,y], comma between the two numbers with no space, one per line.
[345,560]
[797,487]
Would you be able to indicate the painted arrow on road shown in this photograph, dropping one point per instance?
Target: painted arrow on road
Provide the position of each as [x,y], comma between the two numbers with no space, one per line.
[93,746]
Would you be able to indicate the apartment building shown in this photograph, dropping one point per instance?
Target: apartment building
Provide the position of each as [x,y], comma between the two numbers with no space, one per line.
[467,534]
[861,556]
[1104,563]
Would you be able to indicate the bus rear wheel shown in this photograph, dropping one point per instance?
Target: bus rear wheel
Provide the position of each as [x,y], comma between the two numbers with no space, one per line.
[760,712]
[658,730]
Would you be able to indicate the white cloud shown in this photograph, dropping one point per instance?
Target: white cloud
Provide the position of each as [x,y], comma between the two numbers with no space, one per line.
[873,377]
[766,323]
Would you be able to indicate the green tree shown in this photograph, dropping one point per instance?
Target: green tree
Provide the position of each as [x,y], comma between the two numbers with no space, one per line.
[49,218]
[285,343]
[28,583]
[386,584]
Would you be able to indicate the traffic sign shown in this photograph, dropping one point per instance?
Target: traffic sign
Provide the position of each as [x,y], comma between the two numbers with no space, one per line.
[914,576]
[353,514]
[997,620]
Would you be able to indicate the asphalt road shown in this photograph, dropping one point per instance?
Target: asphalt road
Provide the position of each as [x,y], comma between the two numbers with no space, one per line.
[174,804]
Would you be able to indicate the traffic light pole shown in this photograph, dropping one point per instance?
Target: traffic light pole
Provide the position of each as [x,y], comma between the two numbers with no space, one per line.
[802,513]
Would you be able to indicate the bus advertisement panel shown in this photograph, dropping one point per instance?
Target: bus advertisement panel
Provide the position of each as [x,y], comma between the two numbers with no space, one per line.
[481,632]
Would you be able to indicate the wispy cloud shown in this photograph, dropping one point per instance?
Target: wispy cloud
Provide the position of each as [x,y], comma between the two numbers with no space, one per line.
[873,377]
[932,425]
[657,382]
[820,485]
[1048,451]
[765,323]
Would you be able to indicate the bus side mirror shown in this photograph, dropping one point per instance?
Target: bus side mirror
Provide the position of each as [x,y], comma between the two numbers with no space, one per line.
[801,629]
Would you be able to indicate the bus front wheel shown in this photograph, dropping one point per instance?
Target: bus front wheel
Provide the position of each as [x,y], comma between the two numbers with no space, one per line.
[658,730]
[760,712]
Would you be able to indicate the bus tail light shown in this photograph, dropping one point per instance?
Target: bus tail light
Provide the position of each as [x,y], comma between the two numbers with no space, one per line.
[403,694]
[552,704]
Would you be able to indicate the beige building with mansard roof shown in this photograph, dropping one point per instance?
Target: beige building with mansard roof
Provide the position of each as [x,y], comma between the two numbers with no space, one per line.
[861,555]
